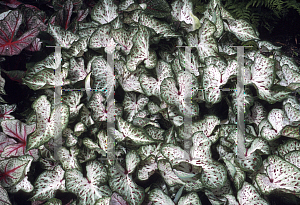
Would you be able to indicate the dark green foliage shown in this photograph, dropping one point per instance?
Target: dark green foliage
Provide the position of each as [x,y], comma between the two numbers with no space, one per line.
[264,13]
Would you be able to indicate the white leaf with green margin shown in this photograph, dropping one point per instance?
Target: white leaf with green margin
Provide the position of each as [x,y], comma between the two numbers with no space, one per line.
[293,158]
[278,120]
[136,134]
[68,158]
[168,174]
[158,197]
[150,85]
[140,50]
[242,30]
[147,150]
[174,154]
[122,183]
[158,26]
[77,70]
[171,95]
[62,37]
[190,198]
[280,175]
[292,108]
[194,62]
[4,196]
[289,146]
[258,113]
[128,80]
[151,61]
[291,76]
[123,38]
[88,189]
[93,146]
[101,38]
[259,145]
[23,185]
[73,100]
[147,168]
[263,73]
[272,96]
[183,11]
[47,184]
[214,175]
[104,12]
[207,44]
[132,161]
[249,195]
[133,104]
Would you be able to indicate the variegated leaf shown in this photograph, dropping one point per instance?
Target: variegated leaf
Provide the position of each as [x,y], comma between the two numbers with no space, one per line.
[158,197]
[88,189]
[104,12]
[249,195]
[122,183]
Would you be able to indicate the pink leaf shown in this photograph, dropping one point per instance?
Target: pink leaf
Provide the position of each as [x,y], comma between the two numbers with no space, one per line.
[18,130]
[9,27]
[11,3]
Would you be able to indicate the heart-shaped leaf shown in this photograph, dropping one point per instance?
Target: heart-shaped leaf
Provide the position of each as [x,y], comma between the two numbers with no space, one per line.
[249,195]
[133,104]
[19,131]
[158,197]
[48,183]
[168,174]
[147,168]
[88,189]
[13,170]
[242,30]
[4,196]
[5,110]
[191,198]
[280,175]
[122,183]
[62,37]
[140,49]
[9,45]
[132,161]
[104,12]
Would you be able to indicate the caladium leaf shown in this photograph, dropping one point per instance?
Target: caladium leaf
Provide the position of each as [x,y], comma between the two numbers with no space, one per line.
[174,154]
[136,134]
[158,26]
[173,96]
[54,201]
[289,146]
[158,197]
[280,175]
[62,37]
[19,131]
[123,38]
[104,12]
[5,141]
[13,170]
[73,100]
[9,45]
[214,175]
[101,38]
[90,188]
[278,120]
[242,30]
[183,11]
[4,196]
[132,161]
[147,168]
[140,50]
[291,107]
[262,71]
[293,158]
[5,111]
[68,158]
[48,183]
[121,182]
[291,76]
[46,124]
[249,195]
[191,198]
[258,113]
[150,85]
[206,44]
[259,145]
[133,104]
[168,174]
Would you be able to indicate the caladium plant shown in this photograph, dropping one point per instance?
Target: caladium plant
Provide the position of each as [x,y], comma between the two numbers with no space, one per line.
[151,159]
